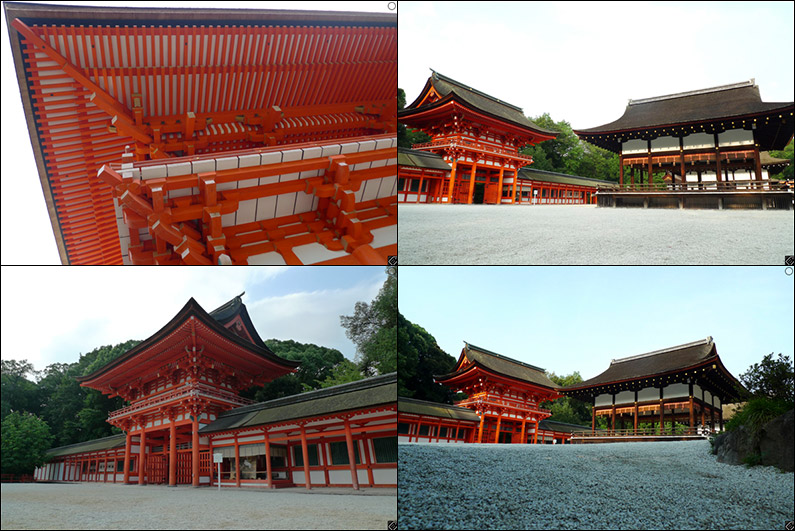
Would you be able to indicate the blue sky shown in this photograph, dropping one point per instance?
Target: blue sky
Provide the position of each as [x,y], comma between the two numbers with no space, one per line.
[53,314]
[582,61]
[567,319]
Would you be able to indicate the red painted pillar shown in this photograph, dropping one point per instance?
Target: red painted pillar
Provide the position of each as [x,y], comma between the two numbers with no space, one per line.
[127,446]
[268,461]
[305,453]
[351,455]
[195,451]
[172,454]
[142,455]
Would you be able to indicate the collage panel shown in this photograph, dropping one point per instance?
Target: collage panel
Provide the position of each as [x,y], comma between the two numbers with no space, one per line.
[595,397]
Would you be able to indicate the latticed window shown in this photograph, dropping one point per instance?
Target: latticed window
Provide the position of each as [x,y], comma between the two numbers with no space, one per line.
[385,449]
[311,450]
[339,453]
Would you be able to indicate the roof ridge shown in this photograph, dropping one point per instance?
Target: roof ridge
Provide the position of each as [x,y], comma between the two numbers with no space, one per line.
[506,358]
[706,341]
[417,400]
[476,91]
[742,84]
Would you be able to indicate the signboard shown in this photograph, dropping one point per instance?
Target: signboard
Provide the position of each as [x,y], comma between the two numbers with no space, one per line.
[218,458]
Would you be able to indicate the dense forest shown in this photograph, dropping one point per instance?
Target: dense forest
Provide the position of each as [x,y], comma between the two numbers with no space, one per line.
[48,408]
[568,154]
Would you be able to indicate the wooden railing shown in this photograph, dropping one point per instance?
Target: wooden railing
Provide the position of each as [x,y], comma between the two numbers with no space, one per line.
[702,431]
[750,185]
[179,393]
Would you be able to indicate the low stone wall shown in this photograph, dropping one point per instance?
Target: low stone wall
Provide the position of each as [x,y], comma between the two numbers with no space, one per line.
[775,443]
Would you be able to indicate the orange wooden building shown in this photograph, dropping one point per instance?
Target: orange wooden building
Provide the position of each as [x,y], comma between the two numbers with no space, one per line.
[478,135]
[204,136]
[505,394]
[183,387]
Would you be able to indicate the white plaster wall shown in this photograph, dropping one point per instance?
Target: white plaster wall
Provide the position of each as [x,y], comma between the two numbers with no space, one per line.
[736,137]
[676,390]
[699,140]
[665,143]
[707,397]
[604,400]
[385,476]
[634,146]
[625,397]
[648,393]
[339,476]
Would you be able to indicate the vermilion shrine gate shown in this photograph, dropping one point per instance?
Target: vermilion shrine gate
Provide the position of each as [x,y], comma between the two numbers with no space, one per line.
[479,136]
[204,136]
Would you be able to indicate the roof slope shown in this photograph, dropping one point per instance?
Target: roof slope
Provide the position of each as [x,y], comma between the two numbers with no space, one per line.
[528,173]
[421,159]
[449,89]
[193,308]
[662,361]
[434,409]
[474,356]
[376,391]
[725,102]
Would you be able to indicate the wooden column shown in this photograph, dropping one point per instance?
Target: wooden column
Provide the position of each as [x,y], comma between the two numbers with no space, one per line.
[142,454]
[613,416]
[269,481]
[621,171]
[662,409]
[682,161]
[419,191]
[497,435]
[717,159]
[635,415]
[690,406]
[499,186]
[523,438]
[651,166]
[351,455]
[515,181]
[593,417]
[195,449]
[127,447]
[472,182]
[452,182]
[480,431]
[757,164]
[172,453]
[305,454]
[535,434]
[237,462]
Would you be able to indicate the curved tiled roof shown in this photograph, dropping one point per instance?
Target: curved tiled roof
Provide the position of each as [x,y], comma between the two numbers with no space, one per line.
[726,102]
[434,409]
[497,363]
[448,89]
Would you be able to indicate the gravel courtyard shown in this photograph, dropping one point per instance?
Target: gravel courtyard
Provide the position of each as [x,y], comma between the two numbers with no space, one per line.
[98,506]
[587,235]
[655,485]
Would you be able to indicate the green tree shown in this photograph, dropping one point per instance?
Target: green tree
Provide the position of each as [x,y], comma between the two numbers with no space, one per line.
[25,441]
[786,153]
[344,372]
[566,408]
[18,393]
[419,359]
[771,378]
[373,329]
[406,136]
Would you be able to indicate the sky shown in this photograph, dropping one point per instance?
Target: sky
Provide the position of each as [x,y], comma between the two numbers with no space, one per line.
[566,319]
[582,62]
[21,196]
[54,314]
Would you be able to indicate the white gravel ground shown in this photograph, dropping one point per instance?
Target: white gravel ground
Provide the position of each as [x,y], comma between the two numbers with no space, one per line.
[587,235]
[98,506]
[655,485]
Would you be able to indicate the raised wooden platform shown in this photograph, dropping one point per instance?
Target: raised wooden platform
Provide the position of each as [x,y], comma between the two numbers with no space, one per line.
[718,200]
[637,438]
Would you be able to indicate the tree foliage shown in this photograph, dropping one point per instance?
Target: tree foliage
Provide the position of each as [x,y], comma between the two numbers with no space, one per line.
[566,408]
[419,359]
[25,441]
[786,153]
[406,136]
[771,378]
[18,392]
[317,365]
[344,372]
[570,155]
[374,327]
